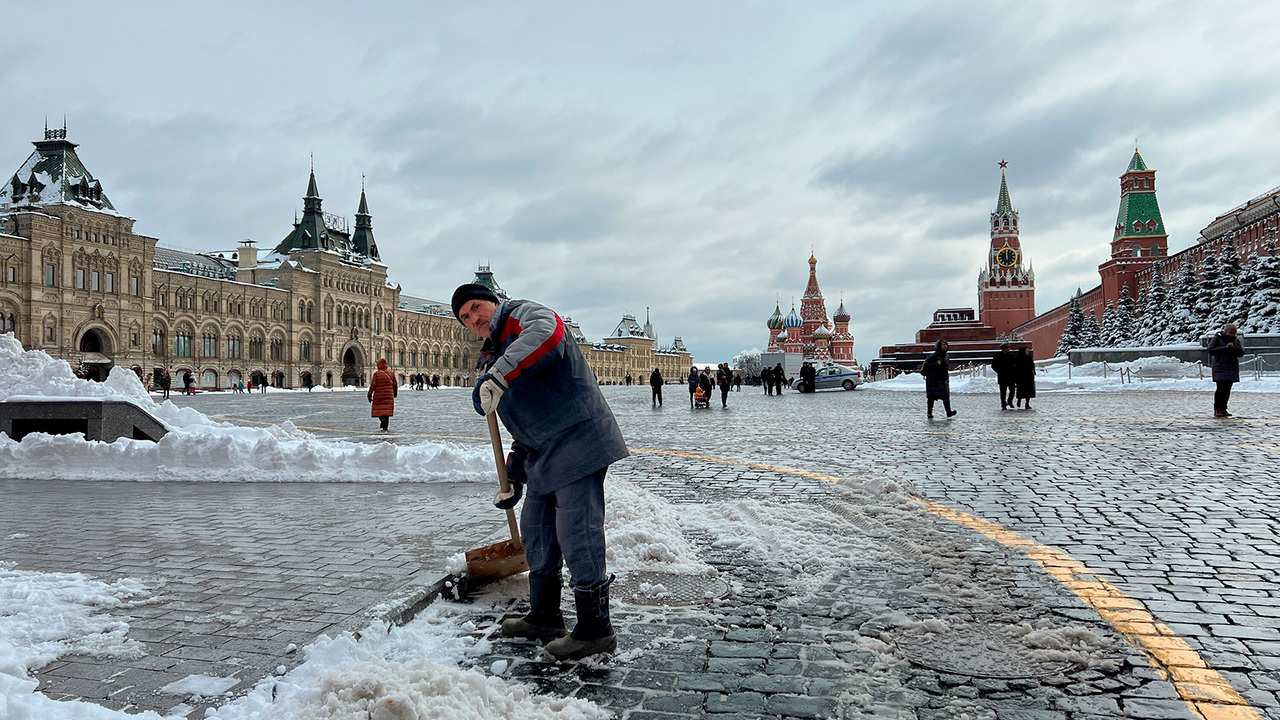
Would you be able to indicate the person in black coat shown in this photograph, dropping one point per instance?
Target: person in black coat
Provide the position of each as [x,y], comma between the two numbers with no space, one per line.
[1003,364]
[655,382]
[808,378]
[693,383]
[766,379]
[937,378]
[1024,377]
[1226,349]
[779,377]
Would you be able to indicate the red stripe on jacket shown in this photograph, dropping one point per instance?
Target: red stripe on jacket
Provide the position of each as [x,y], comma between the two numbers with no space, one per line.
[512,328]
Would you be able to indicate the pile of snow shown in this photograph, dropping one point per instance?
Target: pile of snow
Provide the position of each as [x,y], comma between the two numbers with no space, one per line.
[200,449]
[1149,373]
[384,672]
[645,532]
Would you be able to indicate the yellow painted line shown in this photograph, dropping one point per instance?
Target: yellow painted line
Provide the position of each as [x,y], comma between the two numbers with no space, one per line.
[1206,692]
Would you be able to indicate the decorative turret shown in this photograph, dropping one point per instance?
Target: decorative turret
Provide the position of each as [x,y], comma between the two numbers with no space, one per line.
[775,324]
[310,232]
[793,319]
[1139,238]
[813,310]
[54,175]
[484,276]
[362,239]
[842,315]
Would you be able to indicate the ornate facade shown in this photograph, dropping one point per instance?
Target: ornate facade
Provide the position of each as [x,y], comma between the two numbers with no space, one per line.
[78,282]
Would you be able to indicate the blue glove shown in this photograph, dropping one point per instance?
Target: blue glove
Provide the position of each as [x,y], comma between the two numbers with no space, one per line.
[487,393]
[515,481]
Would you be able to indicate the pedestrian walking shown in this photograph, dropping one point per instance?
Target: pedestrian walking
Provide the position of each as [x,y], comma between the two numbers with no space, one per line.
[1003,364]
[766,379]
[704,382]
[779,377]
[737,381]
[382,395]
[166,382]
[188,383]
[724,379]
[565,438]
[655,382]
[937,378]
[1226,349]
[693,384]
[1024,377]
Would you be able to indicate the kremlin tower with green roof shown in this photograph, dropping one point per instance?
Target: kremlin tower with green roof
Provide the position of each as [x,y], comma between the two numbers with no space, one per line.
[1139,238]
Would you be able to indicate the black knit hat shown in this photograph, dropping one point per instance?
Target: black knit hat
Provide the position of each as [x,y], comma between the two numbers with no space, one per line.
[471,291]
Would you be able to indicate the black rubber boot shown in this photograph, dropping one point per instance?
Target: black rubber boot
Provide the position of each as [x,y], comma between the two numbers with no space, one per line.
[544,622]
[594,633]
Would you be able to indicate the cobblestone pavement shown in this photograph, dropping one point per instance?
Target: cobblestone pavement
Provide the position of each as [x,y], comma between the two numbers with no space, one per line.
[1172,507]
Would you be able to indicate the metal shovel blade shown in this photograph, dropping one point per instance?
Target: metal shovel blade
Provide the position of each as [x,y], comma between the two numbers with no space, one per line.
[496,561]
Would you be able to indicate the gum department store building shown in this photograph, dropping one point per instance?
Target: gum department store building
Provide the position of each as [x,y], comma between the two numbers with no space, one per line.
[77,282]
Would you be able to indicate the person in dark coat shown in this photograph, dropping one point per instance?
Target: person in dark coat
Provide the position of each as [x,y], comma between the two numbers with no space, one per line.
[766,379]
[1225,349]
[655,382]
[1024,377]
[166,382]
[808,378]
[565,437]
[779,377]
[704,382]
[937,378]
[724,379]
[693,384]
[383,390]
[1003,365]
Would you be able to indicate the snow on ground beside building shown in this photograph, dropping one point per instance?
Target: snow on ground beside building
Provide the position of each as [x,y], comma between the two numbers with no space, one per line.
[200,449]
[1152,373]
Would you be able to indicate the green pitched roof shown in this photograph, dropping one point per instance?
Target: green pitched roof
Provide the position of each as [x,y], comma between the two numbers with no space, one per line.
[1003,205]
[1136,164]
[1142,208]
[54,175]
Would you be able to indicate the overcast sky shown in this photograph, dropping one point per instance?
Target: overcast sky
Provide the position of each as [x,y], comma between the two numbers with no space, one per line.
[605,157]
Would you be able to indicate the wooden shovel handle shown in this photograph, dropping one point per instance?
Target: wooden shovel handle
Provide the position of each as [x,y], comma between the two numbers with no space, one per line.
[501,462]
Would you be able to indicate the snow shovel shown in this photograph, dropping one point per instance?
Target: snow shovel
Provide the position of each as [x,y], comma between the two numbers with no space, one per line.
[505,558]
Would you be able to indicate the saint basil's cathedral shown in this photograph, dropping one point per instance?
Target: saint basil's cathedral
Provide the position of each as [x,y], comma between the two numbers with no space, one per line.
[808,333]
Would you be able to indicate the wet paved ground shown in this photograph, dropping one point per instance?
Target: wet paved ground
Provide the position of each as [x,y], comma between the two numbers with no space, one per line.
[1174,508]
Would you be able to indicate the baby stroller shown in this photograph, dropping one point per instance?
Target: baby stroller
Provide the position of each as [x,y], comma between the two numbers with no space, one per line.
[701,399]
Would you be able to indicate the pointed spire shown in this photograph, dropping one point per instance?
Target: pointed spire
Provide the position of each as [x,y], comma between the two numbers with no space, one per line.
[1137,164]
[1003,205]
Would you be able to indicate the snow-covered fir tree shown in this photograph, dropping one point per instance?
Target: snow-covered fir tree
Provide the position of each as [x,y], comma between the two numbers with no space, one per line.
[1204,309]
[1264,305]
[1231,297]
[1091,332]
[1127,320]
[1071,331]
[1126,325]
[748,361]
[1107,333]
[1153,326]
[1182,302]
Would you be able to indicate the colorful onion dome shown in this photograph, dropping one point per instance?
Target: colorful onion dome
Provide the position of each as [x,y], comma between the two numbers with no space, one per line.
[775,320]
[822,332]
[842,315]
[793,319]
[782,336]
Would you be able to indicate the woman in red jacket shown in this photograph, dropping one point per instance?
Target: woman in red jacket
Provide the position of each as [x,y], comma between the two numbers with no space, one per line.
[382,393]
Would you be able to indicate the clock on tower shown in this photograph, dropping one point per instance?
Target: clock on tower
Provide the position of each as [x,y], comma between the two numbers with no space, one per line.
[1007,257]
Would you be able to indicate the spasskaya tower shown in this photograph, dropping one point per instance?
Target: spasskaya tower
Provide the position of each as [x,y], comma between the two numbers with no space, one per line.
[1006,289]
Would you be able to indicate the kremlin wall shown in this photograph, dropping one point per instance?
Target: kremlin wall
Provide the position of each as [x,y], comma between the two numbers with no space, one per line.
[1006,288]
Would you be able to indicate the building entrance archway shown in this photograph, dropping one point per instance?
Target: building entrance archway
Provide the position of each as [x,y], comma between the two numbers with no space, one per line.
[352,367]
[95,355]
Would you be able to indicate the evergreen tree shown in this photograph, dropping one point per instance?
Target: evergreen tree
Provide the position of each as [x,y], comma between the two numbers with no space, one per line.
[1091,333]
[1182,315]
[1153,328]
[1108,332]
[1206,296]
[1071,332]
[1264,310]
[1231,298]
[1126,325]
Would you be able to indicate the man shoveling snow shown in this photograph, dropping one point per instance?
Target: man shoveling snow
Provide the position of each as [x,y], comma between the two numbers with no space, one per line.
[565,439]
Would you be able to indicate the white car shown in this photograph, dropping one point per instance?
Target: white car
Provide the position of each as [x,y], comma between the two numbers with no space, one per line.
[832,376]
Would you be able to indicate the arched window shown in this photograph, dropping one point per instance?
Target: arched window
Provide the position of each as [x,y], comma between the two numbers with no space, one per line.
[304,350]
[157,342]
[182,343]
[277,349]
[1155,251]
[209,344]
[1137,251]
